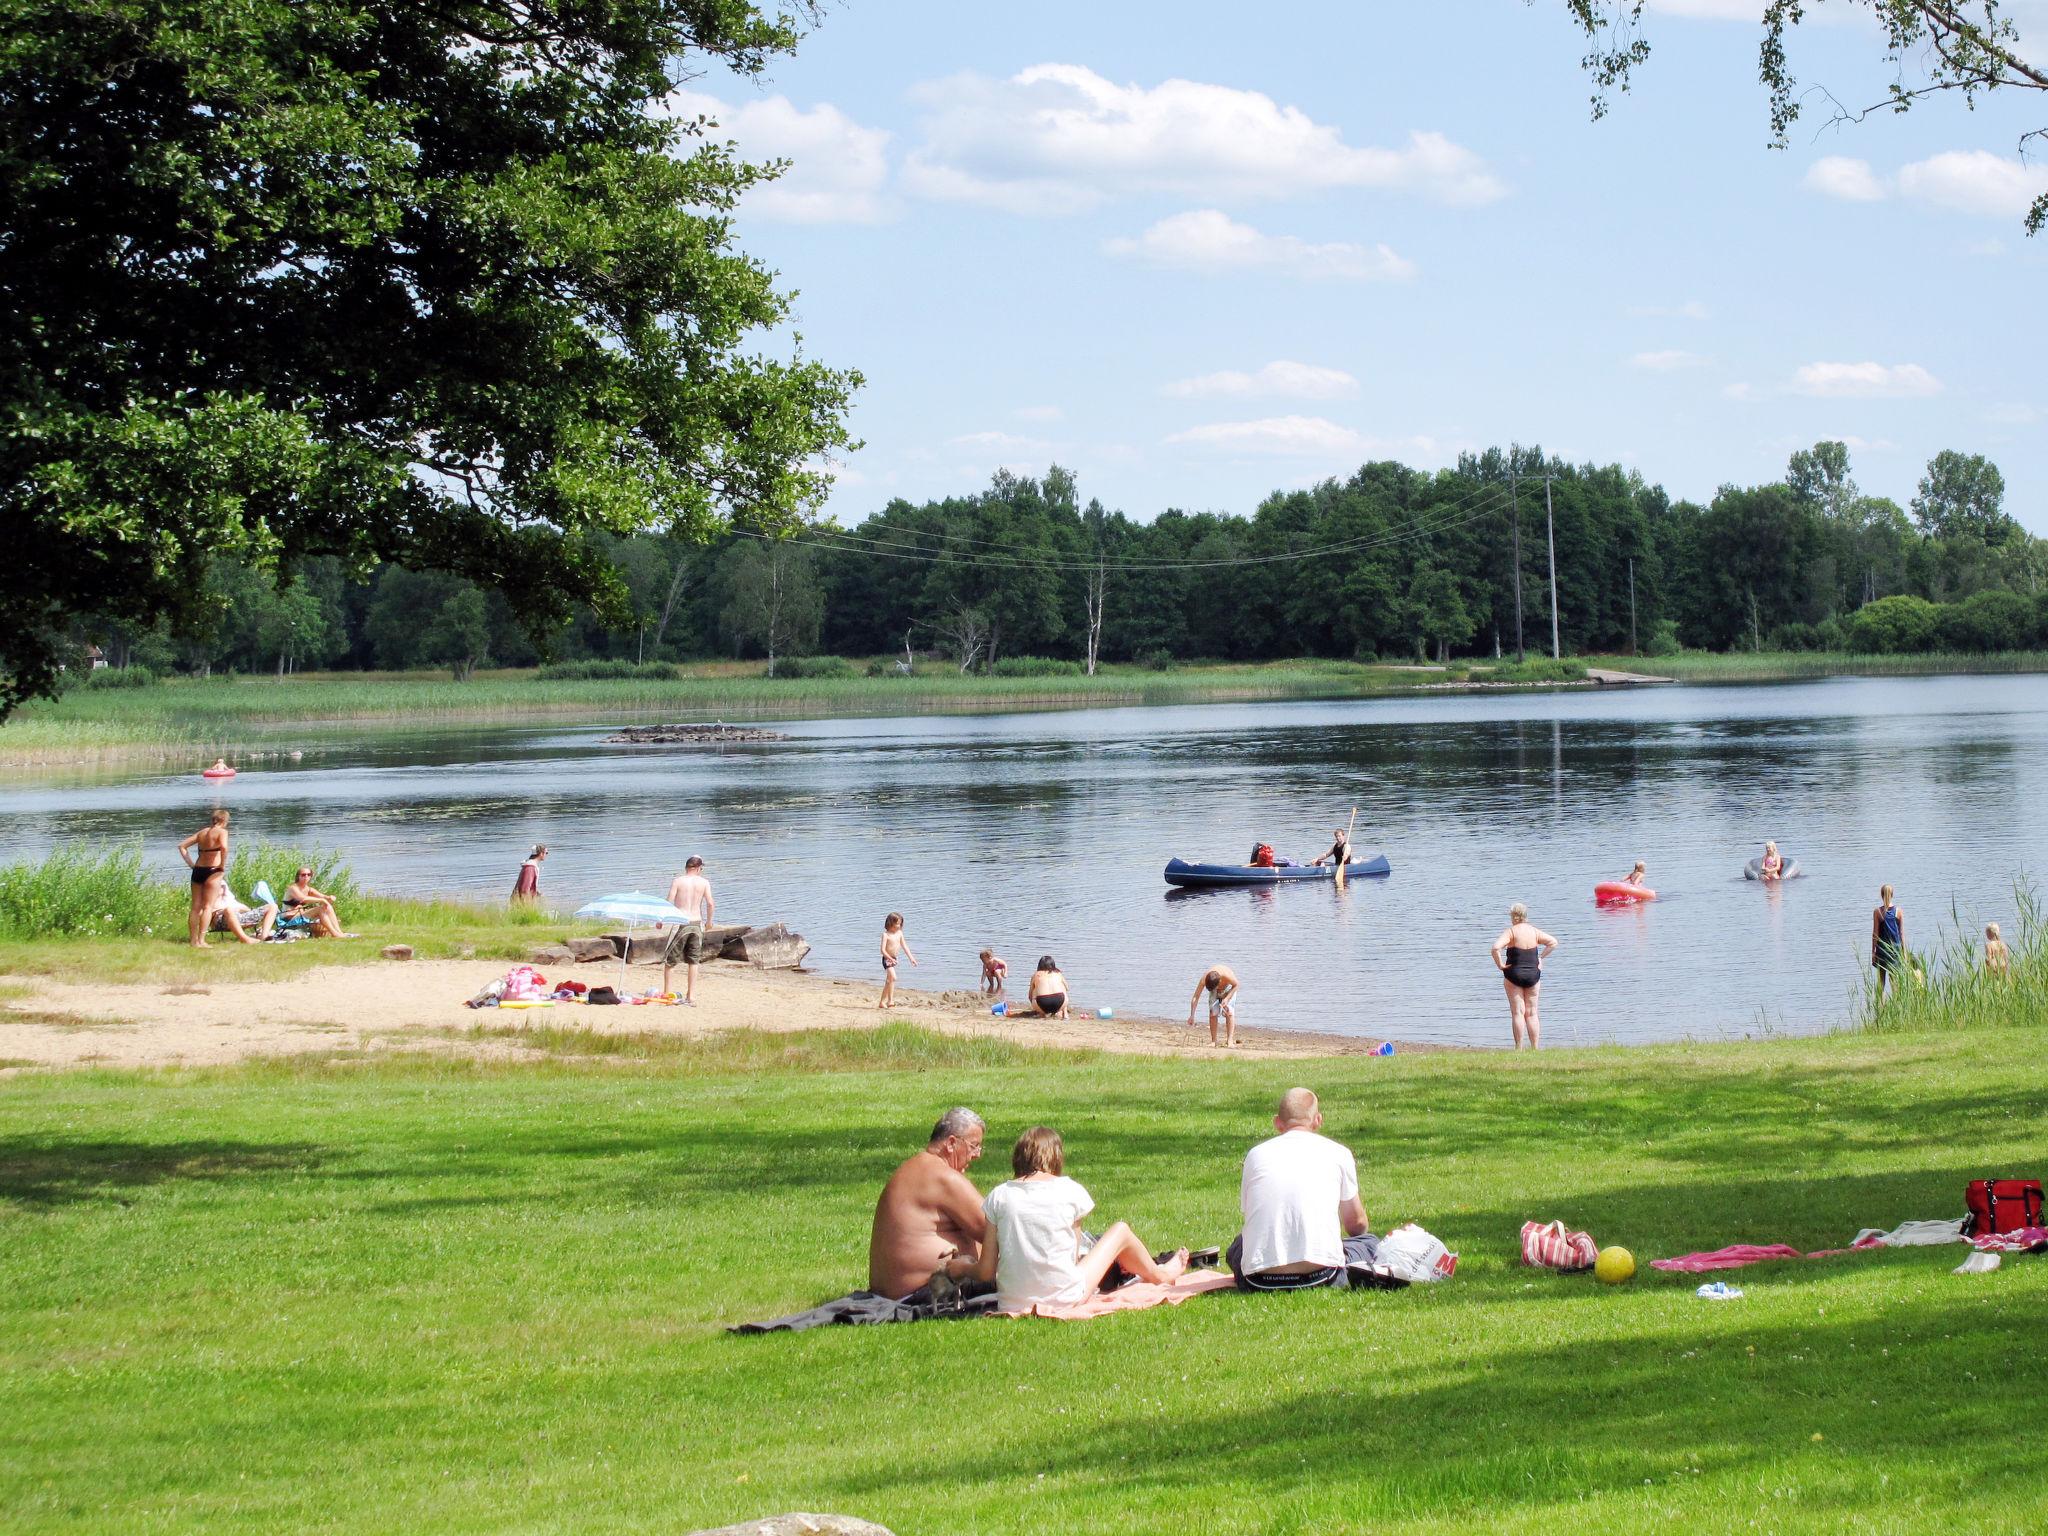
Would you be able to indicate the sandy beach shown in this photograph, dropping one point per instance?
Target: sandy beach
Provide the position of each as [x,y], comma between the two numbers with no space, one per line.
[382,1005]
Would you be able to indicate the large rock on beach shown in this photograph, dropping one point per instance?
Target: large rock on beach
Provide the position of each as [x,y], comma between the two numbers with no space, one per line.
[801,1525]
[641,948]
[720,939]
[773,948]
[584,951]
[551,954]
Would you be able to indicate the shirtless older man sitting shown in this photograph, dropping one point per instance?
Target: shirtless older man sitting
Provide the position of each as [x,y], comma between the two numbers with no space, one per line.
[929,1221]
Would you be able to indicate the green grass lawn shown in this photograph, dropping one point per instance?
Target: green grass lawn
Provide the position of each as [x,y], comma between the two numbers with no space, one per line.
[437,1298]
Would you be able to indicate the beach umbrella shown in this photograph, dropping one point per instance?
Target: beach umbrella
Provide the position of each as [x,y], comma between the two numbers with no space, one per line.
[632,908]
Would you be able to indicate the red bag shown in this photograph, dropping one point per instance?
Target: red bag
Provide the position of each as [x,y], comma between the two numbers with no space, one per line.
[2002,1205]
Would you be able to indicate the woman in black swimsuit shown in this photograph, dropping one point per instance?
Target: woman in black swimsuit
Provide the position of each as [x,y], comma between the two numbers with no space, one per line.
[1519,953]
[207,852]
[1049,988]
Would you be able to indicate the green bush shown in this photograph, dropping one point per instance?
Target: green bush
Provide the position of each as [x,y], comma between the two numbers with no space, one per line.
[606,670]
[1987,621]
[1034,666]
[1536,669]
[815,666]
[122,677]
[1158,660]
[1663,639]
[88,891]
[1894,626]
[1795,637]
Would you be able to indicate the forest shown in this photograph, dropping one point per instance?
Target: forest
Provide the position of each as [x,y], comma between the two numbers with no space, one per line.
[1392,563]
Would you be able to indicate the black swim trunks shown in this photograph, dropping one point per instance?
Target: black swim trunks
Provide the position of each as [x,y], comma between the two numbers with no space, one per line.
[685,945]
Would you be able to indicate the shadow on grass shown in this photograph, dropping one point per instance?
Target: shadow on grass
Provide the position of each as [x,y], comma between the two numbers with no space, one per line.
[43,1175]
[1770,1411]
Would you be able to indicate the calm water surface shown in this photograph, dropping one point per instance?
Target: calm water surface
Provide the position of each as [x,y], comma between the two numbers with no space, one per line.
[1048,832]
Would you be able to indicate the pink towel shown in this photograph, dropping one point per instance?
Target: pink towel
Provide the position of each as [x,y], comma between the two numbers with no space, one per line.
[2018,1241]
[1735,1255]
[1134,1297]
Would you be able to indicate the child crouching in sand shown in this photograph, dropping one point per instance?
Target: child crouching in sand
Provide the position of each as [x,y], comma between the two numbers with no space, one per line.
[993,969]
[894,944]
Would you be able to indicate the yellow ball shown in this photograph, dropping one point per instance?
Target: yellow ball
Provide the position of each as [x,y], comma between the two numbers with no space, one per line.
[1614,1266]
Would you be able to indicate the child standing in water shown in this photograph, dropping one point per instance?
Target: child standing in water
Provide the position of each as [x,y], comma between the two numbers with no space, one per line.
[894,945]
[1997,958]
[993,969]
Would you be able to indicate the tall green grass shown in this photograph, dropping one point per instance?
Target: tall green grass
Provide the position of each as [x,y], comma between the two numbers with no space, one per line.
[1948,987]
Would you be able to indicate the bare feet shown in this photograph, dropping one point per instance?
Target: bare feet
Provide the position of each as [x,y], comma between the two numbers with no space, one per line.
[1176,1266]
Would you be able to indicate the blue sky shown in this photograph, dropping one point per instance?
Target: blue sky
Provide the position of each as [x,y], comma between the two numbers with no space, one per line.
[1197,253]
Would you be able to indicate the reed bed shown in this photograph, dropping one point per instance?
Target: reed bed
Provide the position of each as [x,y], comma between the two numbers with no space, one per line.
[1949,987]
[1790,666]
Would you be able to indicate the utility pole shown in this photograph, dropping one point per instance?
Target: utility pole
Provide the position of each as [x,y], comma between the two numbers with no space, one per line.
[1515,517]
[1550,534]
[1632,607]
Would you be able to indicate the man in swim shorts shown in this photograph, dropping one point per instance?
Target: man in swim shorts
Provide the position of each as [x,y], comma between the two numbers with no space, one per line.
[929,1225]
[690,894]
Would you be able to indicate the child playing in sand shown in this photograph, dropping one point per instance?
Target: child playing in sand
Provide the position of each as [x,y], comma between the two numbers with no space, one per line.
[993,969]
[894,944]
[1997,958]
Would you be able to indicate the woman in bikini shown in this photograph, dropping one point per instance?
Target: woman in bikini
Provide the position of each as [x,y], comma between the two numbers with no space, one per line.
[1220,982]
[205,852]
[1519,954]
[316,906]
[1770,866]
[1049,988]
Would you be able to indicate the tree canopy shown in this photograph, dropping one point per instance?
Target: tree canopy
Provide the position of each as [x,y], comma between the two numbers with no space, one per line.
[442,285]
[1967,48]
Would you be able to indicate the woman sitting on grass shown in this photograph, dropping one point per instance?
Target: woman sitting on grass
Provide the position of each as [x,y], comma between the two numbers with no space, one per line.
[1035,1251]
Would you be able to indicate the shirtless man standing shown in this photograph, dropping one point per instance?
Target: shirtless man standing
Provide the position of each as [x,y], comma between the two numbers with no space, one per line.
[690,894]
[929,1220]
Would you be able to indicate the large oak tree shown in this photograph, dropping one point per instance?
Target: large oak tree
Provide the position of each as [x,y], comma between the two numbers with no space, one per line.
[437,282]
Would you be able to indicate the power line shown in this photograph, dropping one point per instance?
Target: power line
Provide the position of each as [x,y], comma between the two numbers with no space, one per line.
[859,545]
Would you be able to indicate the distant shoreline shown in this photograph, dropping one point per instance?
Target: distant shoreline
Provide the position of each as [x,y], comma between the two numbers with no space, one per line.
[195,718]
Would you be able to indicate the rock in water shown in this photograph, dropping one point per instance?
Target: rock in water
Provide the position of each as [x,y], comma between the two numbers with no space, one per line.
[801,1525]
[689,735]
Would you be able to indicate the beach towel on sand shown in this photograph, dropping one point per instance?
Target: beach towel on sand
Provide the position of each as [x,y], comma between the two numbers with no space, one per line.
[1132,1297]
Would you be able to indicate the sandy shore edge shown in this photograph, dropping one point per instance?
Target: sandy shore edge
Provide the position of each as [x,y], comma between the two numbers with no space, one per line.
[378,1006]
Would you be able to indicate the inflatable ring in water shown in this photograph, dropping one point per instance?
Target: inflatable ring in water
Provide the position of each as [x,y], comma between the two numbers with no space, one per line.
[1615,893]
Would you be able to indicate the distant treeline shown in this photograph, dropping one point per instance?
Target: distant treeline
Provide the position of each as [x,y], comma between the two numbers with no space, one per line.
[1392,562]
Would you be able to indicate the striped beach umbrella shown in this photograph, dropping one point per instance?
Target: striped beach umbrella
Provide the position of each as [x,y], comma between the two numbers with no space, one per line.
[632,908]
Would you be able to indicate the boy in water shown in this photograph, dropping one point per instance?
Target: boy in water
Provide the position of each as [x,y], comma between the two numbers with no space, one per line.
[894,945]
[1997,957]
[993,969]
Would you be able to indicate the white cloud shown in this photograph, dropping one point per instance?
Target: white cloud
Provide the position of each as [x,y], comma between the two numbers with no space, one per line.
[1205,240]
[1039,413]
[837,168]
[1851,180]
[1667,361]
[1059,138]
[1691,309]
[1974,181]
[1000,442]
[1740,390]
[1299,381]
[1865,381]
[1286,436]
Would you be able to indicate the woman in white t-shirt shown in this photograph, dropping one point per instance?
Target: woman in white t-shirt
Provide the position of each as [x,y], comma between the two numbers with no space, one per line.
[1034,1251]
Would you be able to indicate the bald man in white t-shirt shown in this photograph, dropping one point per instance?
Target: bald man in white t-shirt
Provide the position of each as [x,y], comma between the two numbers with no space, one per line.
[1303,1222]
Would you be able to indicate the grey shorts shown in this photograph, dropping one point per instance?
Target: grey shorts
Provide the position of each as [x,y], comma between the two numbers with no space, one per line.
[685,945]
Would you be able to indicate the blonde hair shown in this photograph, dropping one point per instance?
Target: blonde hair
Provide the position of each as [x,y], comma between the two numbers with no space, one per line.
[1297,1106]
[1518,913]
[1038,1150]
[1884,893]
[1991,930]
[1770,847]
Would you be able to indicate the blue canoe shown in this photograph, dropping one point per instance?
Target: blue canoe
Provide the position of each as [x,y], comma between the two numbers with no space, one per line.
[1203,876]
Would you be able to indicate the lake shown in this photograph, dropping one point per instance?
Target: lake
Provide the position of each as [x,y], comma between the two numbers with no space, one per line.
[1047,833]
